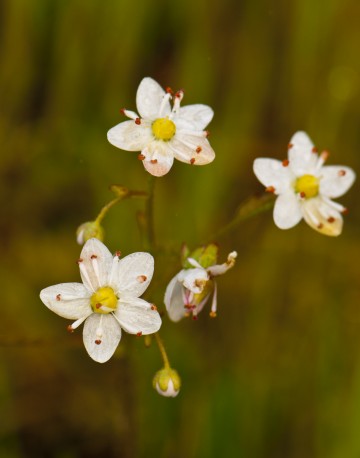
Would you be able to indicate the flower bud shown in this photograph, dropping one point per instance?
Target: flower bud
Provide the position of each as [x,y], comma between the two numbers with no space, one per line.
[167,382]
[89,230]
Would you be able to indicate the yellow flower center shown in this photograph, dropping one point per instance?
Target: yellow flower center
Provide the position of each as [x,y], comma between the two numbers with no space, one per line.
[104,300]
[307,186]
[163,129]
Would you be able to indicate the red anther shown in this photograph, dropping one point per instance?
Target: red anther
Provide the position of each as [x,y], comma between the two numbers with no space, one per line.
[153,307]
[98,341]
[207,133]
[212,314]
[192,161]
[169,90]
[70,328]
[270,189]
[138,121]
[285,162]
[93,256]
[320,226]
[331,219]
[98,305]
[198,149]
[154,161]
[324,155]
[141,157]
[80,260]
[122,111]
[139,334]
[345,211]
[314,149]
[290,145]
[118,253]
[342,173]
[302,195]
[179,94]
[195,317]
[58,297]
[141,278]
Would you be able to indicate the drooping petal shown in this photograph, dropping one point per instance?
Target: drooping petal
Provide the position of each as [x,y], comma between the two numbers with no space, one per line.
[158,158]
[69,300]
[198,115]
[220,269]
[272,173]
[133,274]
[173,300]
[137,316]
[287,210]
[194,279]
[149,98]
[101,335]
[336,180]
[302,157]
[322,216]
[191,149]
[130,136]
[95,264]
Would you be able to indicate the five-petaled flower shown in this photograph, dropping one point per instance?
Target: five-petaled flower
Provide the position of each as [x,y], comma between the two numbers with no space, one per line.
[107,299]
[305,187]
[161,132]
[190,289]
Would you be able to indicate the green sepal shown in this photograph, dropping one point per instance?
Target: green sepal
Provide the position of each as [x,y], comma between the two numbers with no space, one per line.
[206,256]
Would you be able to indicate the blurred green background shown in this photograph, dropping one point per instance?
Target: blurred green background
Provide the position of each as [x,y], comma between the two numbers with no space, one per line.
[277,374]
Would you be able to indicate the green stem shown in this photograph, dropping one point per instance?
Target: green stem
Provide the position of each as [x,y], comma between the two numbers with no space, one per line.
[162,350]
[106,208]
[149,213]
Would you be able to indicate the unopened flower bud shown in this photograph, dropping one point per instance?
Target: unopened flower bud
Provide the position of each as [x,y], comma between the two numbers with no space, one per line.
[89,230]
[167,382]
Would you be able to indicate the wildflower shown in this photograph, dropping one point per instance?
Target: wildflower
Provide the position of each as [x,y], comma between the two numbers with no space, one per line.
[167,382]
[107,300]
[89,230]
[161,132]
[305,187]
[191,288]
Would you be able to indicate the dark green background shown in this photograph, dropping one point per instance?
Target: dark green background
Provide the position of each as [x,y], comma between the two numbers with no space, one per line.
[277,374]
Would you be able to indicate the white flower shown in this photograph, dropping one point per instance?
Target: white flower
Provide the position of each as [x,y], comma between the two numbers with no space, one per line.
[190,289]
[305,187]
[107,299]
[167,382]
[161,132]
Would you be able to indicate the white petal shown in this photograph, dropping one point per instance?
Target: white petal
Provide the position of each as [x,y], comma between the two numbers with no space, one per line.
[198,115]
[149,98]
[158,158]
[271,172]
[104,328]
[69,300]
[136,315]
[336,180]
[170,391]
[185,146]
[194,279]
[287,210]
[302,158]
[133,274]
[130,136]
[220,269]
[95,264]
[322,217]
[173,300]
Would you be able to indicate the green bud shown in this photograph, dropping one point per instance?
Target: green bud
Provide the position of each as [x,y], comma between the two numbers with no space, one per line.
[119,191]
[167,382]
[89,230]
[205,255]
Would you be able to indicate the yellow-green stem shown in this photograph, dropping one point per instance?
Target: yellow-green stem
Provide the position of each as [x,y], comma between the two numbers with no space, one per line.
[162,350]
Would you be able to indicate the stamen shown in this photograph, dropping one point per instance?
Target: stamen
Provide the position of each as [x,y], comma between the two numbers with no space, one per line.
[214,302]
[345,211]
[285,162]
[70,329]
[178,98]
[198,149]
[325,155]
[95,265]
[290,145]
[118,253]
[331,219]
[335,205]
[98,305]
[139,334]
[314,149]
[194,317]
[270,189]
[196,133]
[165,100]
[129,114]
[207,133]
[303,195]
[192,161]
[141,157]
[169,90]
[320,225]
[138,121]
[58,297]
[153,307]
[342,173]
[141,278]
[77,323]
[114,265]
[83,271]
[154,161]
[98,341]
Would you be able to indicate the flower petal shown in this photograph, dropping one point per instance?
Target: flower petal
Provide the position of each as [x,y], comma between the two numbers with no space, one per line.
[130,136]
[149,97]
[173,300]
[302,159]
[287,210]
[191,149]
[198,115]
[158,158]
[102,328]
[336,180]
[95,264]
[133,274]
[322,216]
[136,315]
[69,300]
[272,173]
[220,269]
[194,279]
